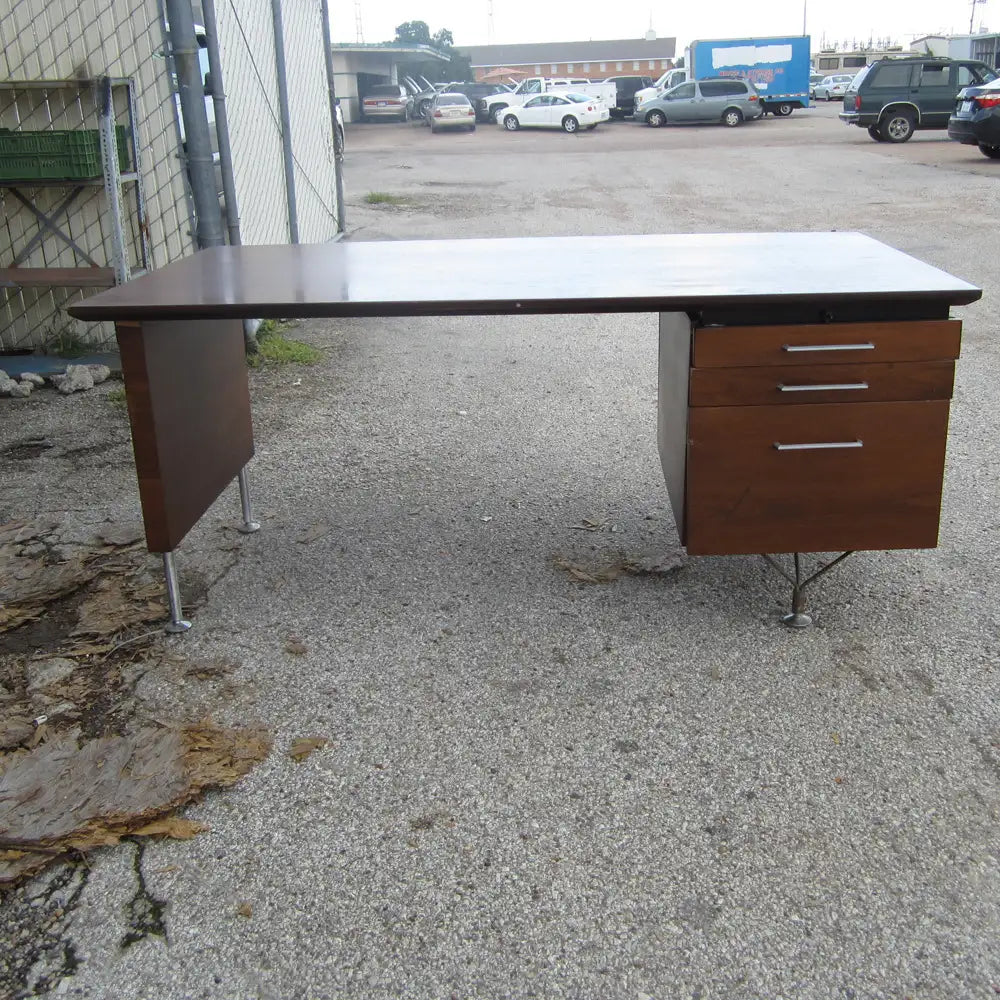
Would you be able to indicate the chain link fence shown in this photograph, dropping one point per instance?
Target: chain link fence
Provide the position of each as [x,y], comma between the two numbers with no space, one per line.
[54,51]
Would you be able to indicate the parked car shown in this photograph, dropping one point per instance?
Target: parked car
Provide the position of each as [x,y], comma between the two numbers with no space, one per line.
[568,111]
[976,119]
[451,111]
[627,86]
[893,98]
[832,88]
[717,99]
[476,92]
[422,91]
[387,100]
[815,78]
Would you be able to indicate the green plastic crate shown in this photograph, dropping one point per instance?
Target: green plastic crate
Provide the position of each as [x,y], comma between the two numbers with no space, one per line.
[56,154]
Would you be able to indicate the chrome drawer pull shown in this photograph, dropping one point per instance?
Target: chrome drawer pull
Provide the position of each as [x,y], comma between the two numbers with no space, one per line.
[793,348]
[822,388]
[812,445]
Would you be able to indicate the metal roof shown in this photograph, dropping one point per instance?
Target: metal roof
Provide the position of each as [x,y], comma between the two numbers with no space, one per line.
[614,50]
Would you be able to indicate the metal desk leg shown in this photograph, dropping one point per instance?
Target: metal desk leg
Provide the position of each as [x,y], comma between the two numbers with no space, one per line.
[798,618]
[249,525]
[176,623]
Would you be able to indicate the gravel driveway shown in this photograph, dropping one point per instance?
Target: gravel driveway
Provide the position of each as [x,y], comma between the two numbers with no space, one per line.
[534,785]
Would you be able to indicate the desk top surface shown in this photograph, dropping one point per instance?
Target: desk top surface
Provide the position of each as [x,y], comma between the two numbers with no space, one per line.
[559,274]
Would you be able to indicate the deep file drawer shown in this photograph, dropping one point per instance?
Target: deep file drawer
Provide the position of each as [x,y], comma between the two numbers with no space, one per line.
[823,478]
[854,383]
[826,343]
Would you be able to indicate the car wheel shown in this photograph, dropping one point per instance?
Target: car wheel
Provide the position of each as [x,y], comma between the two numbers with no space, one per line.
[570,124]
[590,128]
[655,119]
[472,128]
[511,124]
[423,108]
[732,117]
[898,126]
[993,152]
[497,113]
[433,129]
[876,133]
[784,109]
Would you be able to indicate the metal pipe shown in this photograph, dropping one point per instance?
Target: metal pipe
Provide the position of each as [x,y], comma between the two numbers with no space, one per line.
[225,148]
[197,136]
[286,122]
[221,122]
[338,146]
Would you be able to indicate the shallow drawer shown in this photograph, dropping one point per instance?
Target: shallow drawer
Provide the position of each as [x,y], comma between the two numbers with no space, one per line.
[856,383]
[826,343]
[822,478]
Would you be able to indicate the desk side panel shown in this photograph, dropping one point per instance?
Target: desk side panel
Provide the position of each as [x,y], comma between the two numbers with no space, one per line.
[189,407]
[672,409]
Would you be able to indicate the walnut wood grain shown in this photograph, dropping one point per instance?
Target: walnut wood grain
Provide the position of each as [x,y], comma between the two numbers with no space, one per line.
[921,340]
[745,496]
[563,274]
[189,407]
[783,386]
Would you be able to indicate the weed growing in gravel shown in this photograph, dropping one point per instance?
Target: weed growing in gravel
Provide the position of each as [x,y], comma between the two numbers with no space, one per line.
[381,198]
[116,397]
[276,348]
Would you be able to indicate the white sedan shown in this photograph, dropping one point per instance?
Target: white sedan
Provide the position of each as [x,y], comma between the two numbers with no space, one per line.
[568,111]
[832,88]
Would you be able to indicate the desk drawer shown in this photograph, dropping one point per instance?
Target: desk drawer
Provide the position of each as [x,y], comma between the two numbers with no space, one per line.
[823,478]
[855,383]
[829,343]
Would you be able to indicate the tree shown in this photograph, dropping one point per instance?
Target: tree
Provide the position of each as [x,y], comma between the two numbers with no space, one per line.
[415,31]
[418,33]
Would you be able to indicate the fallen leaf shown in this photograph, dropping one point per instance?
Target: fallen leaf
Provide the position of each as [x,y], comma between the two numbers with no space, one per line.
[296,647]
[303,746]
[173,827]
[244,909]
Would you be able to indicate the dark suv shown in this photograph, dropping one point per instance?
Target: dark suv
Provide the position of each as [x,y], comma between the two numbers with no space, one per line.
[626,87]
[892,98]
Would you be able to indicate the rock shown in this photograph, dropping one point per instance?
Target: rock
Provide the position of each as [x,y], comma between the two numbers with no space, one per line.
[99,373]
[14,732]
[33,378]
[45,673]
[6,385]
[55,708]
[4,377]
[20,389]
[76,379]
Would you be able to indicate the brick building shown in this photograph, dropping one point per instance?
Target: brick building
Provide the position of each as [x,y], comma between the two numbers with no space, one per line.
[595,60]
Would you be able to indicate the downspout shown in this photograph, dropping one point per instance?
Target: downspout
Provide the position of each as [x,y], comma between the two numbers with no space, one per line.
[225,149]
[197,137]
[286,123]
[338,146]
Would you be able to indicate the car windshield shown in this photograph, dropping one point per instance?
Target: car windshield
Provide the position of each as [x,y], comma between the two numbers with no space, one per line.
[452,99]
[385,90]
[577,98]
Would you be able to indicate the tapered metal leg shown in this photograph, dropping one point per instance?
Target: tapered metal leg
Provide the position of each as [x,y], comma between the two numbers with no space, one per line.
[176,623]
[249,525]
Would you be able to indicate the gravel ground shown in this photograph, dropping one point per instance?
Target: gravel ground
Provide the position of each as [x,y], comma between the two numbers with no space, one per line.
[535,787]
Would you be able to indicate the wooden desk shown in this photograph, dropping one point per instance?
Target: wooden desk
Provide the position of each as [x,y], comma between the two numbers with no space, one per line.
[800,409]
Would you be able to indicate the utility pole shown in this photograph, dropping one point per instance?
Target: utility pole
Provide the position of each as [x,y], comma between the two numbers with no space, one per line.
[972,12]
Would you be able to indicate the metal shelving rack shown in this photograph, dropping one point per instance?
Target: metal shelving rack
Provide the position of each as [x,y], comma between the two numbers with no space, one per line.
[113,180]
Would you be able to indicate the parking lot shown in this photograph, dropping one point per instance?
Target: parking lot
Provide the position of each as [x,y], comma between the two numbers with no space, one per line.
[563,759]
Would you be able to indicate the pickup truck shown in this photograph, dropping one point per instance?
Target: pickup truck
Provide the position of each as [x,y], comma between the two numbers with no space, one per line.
[492,107]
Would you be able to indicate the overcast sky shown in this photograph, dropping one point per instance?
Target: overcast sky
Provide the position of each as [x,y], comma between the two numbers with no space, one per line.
[544,21]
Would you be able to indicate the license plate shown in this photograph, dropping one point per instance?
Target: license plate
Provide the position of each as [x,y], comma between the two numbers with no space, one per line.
[965,107]
[382,104]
